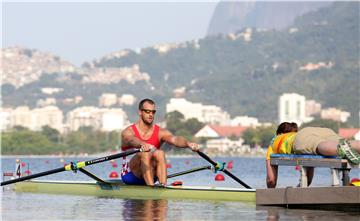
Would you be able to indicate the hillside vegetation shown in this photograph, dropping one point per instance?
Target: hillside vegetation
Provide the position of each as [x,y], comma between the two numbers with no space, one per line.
[243,77]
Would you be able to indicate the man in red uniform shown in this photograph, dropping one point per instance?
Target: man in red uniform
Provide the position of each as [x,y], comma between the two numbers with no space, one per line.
[149,164]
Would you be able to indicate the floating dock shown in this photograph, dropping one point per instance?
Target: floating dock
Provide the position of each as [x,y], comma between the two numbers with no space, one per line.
[336,197]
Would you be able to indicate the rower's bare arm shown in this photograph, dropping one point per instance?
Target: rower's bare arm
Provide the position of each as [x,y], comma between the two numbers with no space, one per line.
[129,139]
[177,141]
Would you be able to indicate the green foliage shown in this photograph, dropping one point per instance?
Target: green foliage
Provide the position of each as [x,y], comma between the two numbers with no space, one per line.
[26,142]
[324,123]
[52,134]
[260,136]
[177,125]
[242,77]
[49,141]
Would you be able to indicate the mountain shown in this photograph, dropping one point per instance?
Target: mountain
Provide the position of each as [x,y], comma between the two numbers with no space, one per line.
[243,72]
[230,17]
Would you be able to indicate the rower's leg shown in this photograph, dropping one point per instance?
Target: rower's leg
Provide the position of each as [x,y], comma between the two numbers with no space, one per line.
[146,168]
[161,172]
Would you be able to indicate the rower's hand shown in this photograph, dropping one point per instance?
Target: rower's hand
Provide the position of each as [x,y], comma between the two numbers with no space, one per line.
[193,146]
[147,147]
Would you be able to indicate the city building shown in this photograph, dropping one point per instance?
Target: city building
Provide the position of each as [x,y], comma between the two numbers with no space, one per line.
[127,99]
[217,131]
[292,108]
[245,121]
[204,113]
[35,119]
[224,145]
[334,114]
[5,118]
[107,100]
[312,107]
[98,118]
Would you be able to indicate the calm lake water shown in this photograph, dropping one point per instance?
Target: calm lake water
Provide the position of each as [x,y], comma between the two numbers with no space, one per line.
[29,206]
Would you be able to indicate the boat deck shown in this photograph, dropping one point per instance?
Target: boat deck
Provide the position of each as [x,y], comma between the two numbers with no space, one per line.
[119,190]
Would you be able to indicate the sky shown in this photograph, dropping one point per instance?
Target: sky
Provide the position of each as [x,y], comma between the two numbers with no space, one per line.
[84,31]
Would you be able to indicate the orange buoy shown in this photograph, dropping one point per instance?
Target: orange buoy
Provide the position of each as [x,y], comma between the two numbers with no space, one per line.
[23,164]
[176,183]
[219,177]
[27,172]
[113,174]
[297,167]
[114,165]
[168,165]
[230,165]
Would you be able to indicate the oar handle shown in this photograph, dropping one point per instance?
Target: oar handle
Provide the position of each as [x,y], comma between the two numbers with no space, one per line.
[207,158]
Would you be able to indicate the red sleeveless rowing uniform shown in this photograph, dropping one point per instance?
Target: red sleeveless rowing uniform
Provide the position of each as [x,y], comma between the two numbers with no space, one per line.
[153,139]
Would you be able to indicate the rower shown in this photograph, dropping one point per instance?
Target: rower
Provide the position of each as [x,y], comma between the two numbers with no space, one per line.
[147,166]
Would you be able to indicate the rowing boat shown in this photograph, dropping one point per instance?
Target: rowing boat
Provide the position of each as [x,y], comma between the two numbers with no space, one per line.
[115,188]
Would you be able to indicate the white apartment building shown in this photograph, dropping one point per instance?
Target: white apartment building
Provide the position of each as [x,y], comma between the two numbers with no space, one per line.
[312,107]
[224,144]
[5,118]
[98,118]
[113,119]
[107,100]
[292,108]
[127,99]
[335,115]
[35,119]
[245,121]
[204,113]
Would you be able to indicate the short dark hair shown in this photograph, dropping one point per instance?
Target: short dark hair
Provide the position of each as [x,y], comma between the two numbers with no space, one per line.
[146,100]
[286,127]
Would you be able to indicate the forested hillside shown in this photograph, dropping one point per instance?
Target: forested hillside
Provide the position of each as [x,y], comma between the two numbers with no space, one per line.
[244,73]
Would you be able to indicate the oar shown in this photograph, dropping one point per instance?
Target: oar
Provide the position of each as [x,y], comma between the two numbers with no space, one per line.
[206,157]
[73,166]
[189,171]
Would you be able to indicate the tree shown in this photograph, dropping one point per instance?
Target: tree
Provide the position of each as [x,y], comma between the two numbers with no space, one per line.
[52,134]
[174,120]
[317,122]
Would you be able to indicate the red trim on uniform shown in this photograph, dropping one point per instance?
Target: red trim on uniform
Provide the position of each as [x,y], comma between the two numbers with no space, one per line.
[153,139]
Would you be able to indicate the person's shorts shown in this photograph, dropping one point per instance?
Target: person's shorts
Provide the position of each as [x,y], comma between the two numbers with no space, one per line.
[131,179]
[307,139]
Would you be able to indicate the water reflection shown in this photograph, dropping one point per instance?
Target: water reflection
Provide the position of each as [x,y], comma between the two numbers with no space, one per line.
[280,213]
[144,210]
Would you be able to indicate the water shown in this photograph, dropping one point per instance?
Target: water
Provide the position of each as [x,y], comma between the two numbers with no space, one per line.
[29,206]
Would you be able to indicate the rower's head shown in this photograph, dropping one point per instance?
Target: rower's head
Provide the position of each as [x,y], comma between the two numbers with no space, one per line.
[147,111]
[286,127]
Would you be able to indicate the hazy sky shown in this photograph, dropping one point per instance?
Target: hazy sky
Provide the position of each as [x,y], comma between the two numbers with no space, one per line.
[84,31]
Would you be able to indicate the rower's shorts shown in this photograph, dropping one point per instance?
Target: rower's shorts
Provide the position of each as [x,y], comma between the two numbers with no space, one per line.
[307,139]
[131,179]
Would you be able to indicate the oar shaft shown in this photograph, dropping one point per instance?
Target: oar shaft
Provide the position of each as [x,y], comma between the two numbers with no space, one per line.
[61,169]
[69,166]
[206,157]
[189,171]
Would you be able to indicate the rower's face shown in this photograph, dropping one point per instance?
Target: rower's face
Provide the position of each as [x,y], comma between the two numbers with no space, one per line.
[147,113]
